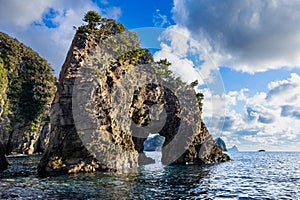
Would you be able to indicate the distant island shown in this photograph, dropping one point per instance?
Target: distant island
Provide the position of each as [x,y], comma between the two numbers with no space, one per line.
[261,150]
[222,144]
[233,149]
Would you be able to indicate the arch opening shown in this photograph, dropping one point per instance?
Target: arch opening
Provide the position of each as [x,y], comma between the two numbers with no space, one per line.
[155,115]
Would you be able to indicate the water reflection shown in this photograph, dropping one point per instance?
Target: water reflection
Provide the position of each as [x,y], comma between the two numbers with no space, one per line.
[176,182]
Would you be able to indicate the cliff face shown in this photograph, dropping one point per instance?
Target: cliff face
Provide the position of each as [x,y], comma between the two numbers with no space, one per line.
[26,91]
[110,97]
[221,144]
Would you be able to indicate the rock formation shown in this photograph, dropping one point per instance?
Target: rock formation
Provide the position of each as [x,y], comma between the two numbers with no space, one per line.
[26,91]
[221,144]
[233,149]
[109,99]
[3,161]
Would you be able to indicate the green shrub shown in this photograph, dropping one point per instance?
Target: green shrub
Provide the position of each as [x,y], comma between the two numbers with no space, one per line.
[28,80]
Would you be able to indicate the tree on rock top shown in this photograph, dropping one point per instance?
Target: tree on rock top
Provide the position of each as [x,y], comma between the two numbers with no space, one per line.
[98,26]
[92,18]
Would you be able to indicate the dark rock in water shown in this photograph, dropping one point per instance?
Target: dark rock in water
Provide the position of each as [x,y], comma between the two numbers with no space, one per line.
[154,143]
[3,161]
[144,160]
[221,144]
[233,149]
[261,150]
[107,104]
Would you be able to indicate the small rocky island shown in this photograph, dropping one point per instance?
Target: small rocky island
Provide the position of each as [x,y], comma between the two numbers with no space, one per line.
[121,145]
[234,148]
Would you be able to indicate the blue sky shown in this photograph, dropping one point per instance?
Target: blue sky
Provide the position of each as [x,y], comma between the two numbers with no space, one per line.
[143,13]
[255,96]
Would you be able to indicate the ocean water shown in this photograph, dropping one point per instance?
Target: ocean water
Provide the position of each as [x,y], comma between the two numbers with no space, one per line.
[252,175]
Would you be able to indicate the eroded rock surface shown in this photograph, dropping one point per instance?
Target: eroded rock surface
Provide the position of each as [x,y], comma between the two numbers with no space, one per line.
[109,99]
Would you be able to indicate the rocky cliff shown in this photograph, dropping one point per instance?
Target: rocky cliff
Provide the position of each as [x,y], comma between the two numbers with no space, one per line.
[26,91]
[221,144]
[111,95]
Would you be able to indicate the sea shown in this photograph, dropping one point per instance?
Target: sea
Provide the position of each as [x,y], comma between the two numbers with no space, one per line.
[251,175]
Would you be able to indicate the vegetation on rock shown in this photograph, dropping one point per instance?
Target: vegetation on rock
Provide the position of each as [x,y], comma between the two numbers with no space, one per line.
[92,18]
[103,56]
[200,98]
[102,27]
[26,88]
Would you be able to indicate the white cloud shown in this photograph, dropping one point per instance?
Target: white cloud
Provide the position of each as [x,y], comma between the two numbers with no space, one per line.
[175,47]
[113,12]
[190,61]
[22,13]
[283,92]
[250,35]
[17,19]
[182,68]
[271,123]
[160,20]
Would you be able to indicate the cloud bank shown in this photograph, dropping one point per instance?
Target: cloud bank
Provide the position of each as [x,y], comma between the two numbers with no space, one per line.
[250,35]
[270,120]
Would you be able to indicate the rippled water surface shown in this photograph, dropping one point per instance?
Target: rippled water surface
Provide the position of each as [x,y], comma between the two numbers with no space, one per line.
[265,175]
